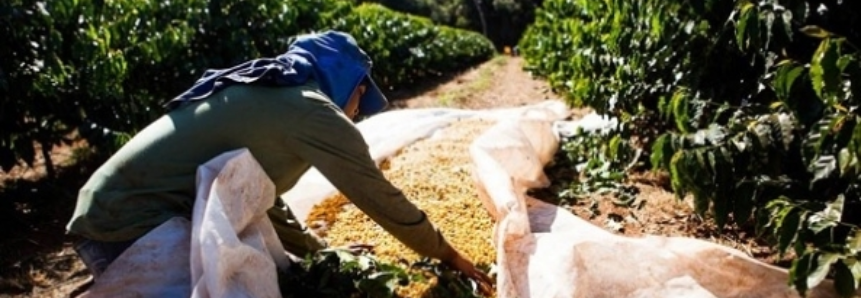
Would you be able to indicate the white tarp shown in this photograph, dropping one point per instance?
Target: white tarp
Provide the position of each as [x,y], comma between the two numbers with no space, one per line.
[155,266]
[591,123]
[545,251]
[234,248]
[229,249]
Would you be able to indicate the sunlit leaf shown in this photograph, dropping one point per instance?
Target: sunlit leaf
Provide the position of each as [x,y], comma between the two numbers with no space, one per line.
[829,217]
[661,152]
[786,18]
[823,168]
[824,73]
[676,174]
[786,125]
[715,134]
[823,264]
[785,78]
[679,103]
[854,242]
[747,18]
[815,31]
[763,133]
[847,162]
[614,147]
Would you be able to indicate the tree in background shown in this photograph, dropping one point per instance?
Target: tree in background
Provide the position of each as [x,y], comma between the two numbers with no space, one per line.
[103,68]
[504,20]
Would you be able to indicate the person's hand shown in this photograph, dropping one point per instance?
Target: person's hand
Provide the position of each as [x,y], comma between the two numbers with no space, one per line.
[458,262]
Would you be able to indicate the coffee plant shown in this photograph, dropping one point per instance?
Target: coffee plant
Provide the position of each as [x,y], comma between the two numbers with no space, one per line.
[407,49]
[750,106]
[103,68]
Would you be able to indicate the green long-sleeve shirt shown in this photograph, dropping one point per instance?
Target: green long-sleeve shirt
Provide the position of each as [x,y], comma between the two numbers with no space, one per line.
[287,129]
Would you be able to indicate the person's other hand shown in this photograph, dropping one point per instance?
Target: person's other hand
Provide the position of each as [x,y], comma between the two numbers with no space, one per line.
[458,262]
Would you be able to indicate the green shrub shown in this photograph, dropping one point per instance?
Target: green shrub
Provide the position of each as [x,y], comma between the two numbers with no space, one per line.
[750,106]
[407,49]
[103,68]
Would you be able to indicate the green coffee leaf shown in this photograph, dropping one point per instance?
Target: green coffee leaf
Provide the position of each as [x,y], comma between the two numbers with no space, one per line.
[743,201]
[661,152]
[679,103]
[856,139]
[715,134]
[815,31]
[854,71]
[822,266]
[829,217]
[823,168]
[789,226]
[784,79]
[721,201]
[844,281]
[854,243]
[786,125]
[747,18]
[824,72]
[786,17]
[800,270]
[847,162]
[702,164]
[701,203]
[677,175]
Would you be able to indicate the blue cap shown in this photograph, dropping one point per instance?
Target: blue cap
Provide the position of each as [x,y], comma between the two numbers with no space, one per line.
[341,65]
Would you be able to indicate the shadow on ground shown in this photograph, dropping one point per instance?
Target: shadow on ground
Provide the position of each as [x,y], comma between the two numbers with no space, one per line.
[34,248]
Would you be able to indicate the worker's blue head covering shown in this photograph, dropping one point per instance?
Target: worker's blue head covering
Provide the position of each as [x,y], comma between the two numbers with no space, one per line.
[332,59]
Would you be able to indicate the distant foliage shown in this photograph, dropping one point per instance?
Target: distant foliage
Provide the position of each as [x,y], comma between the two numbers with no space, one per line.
[407,48]
[504,21]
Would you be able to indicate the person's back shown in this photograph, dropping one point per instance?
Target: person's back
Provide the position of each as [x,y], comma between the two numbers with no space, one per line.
[152,178]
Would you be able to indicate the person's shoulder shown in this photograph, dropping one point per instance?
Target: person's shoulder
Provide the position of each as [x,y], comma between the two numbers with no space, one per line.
[316,96]
[311,90]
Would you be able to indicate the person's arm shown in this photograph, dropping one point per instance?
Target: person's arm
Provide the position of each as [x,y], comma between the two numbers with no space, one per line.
[330,142]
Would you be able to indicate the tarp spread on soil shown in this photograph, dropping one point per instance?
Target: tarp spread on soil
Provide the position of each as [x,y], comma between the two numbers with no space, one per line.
[229,249]
[545,251]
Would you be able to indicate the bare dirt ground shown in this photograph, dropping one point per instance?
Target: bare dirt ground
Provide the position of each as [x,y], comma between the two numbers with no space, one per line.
[500,82]
[36,258]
